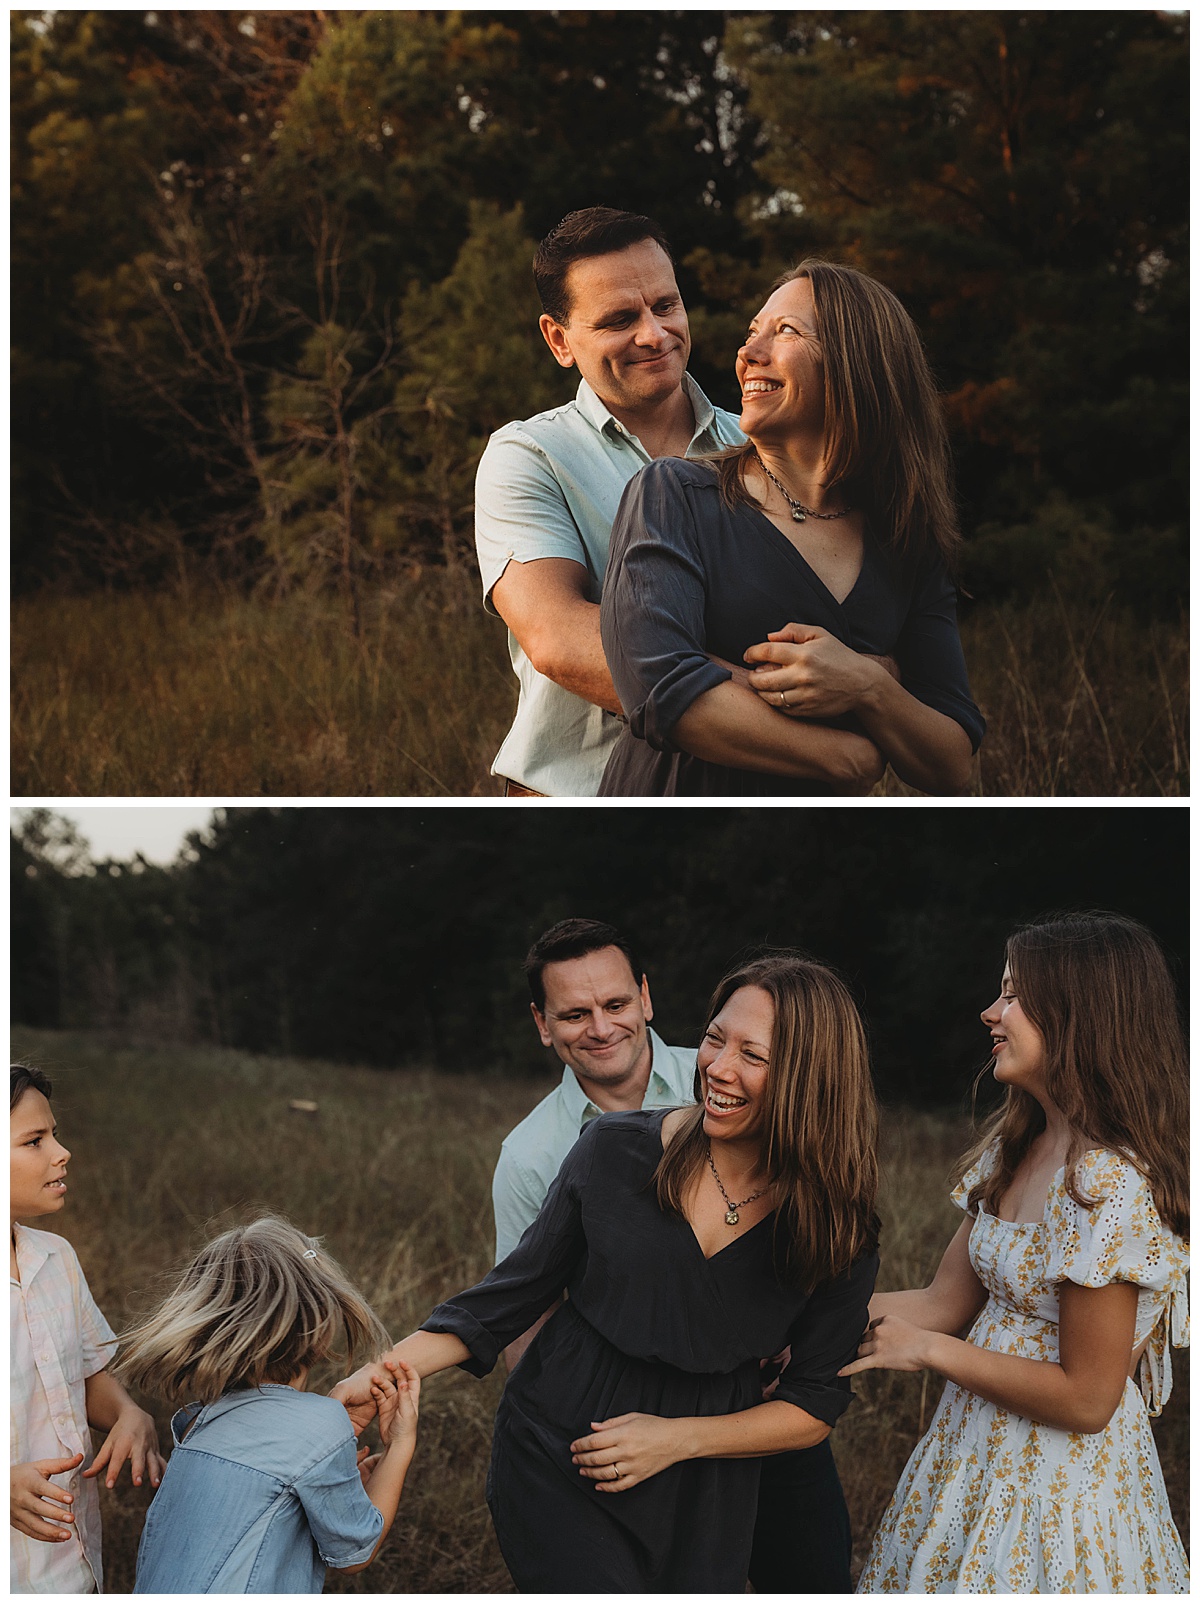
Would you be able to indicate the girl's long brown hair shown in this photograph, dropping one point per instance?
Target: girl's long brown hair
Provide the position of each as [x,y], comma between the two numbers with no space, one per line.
[1098,989]
[820,1122]
[886,440]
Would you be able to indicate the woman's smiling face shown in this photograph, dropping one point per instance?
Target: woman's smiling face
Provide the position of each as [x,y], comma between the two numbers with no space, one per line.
[733,1060]
[781,367]
[1018,1046]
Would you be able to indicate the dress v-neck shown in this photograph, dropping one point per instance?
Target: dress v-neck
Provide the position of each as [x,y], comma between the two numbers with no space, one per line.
[741,1237]
[809,569]
[655,1127]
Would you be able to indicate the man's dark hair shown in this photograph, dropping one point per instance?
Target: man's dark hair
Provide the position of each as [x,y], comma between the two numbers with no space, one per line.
[23,1078]
[573,938]
[594,231]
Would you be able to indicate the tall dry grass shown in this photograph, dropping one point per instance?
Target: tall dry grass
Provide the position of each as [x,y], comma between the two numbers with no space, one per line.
[394,1171]
[1080,701]
[155,695]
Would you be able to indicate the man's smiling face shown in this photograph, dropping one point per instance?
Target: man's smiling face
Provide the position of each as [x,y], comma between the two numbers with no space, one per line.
[596,1016]
[627,330]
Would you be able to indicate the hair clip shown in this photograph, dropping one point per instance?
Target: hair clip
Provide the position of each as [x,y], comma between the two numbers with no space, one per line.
[310,1253]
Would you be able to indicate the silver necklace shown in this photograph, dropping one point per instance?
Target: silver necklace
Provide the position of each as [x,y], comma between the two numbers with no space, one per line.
[799,511]
[731,1216]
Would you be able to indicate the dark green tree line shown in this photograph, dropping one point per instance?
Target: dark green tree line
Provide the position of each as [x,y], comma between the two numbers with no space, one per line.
[235,234]
[395,936]
[271,270]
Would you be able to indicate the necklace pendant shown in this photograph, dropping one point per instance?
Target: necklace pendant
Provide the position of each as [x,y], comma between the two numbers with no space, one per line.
[797,515]
[732,1217]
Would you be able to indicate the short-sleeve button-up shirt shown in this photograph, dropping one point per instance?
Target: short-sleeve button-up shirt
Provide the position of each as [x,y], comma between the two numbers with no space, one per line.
[533,1150]
[58,1338]
[549,486]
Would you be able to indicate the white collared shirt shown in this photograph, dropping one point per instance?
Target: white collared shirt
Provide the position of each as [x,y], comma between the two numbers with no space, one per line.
[549,486]
[533,1151]
[58,1338]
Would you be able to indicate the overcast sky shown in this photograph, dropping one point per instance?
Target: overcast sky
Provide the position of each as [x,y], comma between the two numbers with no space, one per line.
[156,832]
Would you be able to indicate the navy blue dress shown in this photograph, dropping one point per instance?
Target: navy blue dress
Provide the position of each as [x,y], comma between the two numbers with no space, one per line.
[649,1325]
[688,575]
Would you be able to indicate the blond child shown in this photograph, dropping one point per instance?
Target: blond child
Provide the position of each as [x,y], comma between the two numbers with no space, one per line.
[59,1348]
[263,1490]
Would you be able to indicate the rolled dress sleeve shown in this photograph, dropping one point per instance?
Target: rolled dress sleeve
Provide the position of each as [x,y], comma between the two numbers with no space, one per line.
[825,1339]
[653,605]
[503,1306]
[521,513]
[930,655]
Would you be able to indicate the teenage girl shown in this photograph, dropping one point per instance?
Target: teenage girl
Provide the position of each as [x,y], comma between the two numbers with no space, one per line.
[1038,1472]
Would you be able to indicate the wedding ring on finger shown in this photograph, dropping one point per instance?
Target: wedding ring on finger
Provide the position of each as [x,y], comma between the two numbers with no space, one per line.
[783,701]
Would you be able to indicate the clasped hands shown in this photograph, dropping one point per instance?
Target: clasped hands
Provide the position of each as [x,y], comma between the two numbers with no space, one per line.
[805,672]
[389,1390]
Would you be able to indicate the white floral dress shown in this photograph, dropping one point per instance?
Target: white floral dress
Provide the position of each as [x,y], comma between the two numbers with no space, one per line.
[991,1502]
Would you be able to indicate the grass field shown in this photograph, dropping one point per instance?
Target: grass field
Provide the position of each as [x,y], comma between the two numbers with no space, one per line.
[161,695]
[394,1172]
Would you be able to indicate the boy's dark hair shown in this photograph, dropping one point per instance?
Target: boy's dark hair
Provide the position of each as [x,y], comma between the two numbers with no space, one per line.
[23,1078]
[573,938]
[594,231]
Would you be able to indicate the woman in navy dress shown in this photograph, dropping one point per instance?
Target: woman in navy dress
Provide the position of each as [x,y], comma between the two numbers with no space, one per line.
[692,1244]
[818,554]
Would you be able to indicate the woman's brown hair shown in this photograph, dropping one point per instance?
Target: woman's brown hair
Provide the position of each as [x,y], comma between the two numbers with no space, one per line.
[820,1122]
[1098,989]
[886,440]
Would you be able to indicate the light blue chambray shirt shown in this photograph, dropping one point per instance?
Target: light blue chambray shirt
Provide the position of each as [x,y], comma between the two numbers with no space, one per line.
[259,1497]
[549,486]
[534,1149]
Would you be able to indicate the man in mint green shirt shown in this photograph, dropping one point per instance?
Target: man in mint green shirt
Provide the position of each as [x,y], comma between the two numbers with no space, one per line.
[591,1003]
[548,487]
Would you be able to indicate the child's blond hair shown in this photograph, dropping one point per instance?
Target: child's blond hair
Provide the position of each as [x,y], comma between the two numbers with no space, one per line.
[260,1303]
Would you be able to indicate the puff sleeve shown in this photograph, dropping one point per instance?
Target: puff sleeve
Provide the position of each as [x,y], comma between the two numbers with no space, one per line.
[1122,1238]
[979,1171]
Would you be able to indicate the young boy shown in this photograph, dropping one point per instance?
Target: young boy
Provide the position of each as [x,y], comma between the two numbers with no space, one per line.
[60,1343]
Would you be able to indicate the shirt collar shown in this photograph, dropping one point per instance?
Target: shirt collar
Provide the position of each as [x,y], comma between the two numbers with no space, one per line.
[598,415]
[579,1106]
[33,1249]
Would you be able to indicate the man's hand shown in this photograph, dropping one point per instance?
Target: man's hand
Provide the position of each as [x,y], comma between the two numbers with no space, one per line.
[888,664]
[627,1450]
[29,1488]
[134,1437]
